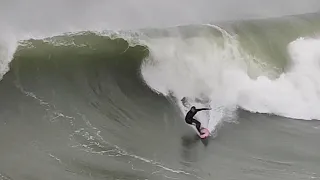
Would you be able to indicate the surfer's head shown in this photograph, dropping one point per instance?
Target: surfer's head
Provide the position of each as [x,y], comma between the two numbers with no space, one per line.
[193,109]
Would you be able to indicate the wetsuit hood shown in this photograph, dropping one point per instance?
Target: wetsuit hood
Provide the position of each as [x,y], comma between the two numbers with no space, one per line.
[193,109]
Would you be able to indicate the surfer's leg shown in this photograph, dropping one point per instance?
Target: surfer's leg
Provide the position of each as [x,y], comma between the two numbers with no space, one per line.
[198,125]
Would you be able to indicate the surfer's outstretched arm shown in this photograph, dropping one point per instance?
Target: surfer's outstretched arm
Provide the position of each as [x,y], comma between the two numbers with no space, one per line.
[201,109]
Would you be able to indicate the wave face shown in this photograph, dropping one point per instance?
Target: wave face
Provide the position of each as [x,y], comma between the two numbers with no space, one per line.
[109,93]
[98,71]
[71,95]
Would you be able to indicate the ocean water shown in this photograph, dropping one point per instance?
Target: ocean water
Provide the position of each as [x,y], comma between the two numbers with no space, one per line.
[102,99]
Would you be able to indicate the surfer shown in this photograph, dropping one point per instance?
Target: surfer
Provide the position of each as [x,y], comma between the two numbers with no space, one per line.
[190,120]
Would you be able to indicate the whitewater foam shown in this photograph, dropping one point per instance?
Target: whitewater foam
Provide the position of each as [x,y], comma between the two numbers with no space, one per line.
[296,93]
[214,75]
[8,45]
[197,68]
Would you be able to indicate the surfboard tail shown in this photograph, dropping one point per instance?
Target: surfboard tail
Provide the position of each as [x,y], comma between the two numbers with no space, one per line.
[206,133]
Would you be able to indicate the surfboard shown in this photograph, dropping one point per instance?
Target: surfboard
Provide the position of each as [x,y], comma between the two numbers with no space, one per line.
[206,133]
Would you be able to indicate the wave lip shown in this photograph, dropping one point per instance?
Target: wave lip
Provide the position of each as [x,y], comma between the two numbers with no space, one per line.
[8,46]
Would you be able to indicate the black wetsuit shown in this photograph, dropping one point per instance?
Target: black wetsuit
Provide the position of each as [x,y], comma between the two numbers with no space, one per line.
[190,120]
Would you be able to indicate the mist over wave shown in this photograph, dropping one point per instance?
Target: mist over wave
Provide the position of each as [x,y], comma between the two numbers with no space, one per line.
[48,16]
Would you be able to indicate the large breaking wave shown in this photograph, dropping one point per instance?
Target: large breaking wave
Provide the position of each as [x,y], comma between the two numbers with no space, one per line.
[224,67]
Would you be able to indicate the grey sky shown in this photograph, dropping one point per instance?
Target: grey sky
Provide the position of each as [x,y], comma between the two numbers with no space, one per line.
[63,15]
